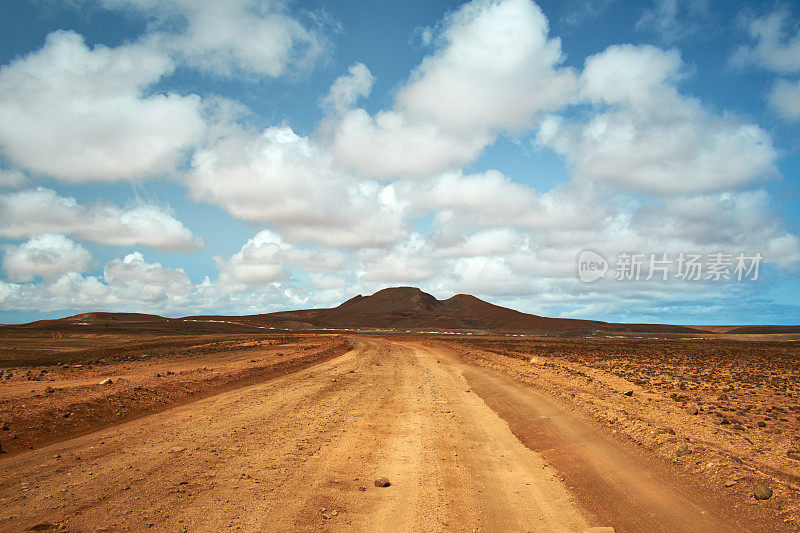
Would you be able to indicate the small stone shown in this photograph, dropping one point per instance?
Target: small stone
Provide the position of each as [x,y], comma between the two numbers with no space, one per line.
[692,409]
[762,492]
[42,526]
[49,390]
[107,381]
[629,393]
[668,430]
[382,482]
[722,397]
[762,424]
[599,530]
[683,450]
[729,483]
[178,449]
[362,489]
[738,427]
[793,454]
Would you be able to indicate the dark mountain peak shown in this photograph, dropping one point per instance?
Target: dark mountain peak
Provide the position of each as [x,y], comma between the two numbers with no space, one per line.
[402,293]
[102,315]
[463,299]
[402,300]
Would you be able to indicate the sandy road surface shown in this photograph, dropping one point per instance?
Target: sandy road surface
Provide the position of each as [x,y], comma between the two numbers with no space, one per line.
[273,456]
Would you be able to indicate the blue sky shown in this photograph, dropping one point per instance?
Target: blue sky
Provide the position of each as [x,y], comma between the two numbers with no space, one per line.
[190,156]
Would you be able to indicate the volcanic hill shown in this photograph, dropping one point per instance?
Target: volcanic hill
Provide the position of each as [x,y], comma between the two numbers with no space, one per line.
[401,309]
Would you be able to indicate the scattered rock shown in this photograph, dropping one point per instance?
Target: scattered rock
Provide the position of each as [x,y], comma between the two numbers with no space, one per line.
[762,492]
[178,449]
[382,482]
[762,424]
[722,397]
[683,450]
[729,483]
[362,489]
[738,427]
[49,390]
[107,381]
[692,409]
[668,430]
[793,454]
[629,393]
[42,526]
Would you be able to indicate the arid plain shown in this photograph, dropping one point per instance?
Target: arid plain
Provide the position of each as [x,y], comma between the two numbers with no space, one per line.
[132,422]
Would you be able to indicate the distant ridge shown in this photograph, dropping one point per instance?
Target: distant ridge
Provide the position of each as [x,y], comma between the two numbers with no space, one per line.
[411,309]
[398,309]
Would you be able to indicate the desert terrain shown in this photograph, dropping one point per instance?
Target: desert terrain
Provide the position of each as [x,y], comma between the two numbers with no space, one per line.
[128,422]
[209,432]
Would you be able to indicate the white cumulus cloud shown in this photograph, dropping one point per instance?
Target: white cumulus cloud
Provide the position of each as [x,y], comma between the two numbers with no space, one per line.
[255,37]
[41,210]
[285,179]
[785,98]
[81,114]
[495,70]
[773,47]
[266,258]
[348,88]
[47,255]
[644,135]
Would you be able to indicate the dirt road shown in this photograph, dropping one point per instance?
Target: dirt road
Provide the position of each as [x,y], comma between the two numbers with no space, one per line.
[464,449]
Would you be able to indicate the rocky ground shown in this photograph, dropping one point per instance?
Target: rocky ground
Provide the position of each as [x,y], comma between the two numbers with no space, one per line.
[725,411]
[82,384]
[305,433]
